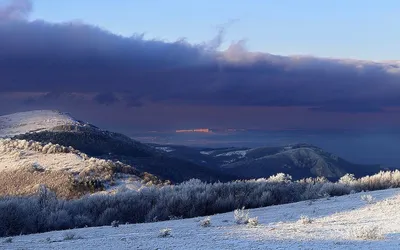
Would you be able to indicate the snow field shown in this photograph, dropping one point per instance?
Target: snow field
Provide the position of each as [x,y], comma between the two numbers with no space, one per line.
[31,121]
[335,223]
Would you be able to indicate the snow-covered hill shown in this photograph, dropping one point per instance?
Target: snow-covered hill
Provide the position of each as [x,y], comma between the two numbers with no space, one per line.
[346,222]
[33,121]
[33,163]
[18,153]
[299,160]
[47,126]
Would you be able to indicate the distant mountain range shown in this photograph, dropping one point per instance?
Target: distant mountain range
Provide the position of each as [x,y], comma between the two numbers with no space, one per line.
[298,160]
[172,163]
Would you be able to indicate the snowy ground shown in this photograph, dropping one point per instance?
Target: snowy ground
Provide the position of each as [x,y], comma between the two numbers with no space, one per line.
[23,155]
[15,154]
[334,224]
[38,120]
[15,159]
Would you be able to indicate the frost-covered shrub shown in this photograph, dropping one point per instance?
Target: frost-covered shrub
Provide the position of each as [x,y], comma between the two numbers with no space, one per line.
[165,232]
[82,221]
[382,180]
[305,220]
[367,233]
[280,177]
[206,222]
[108,216]
[241,216]
[44,211]
[46,197]
[347,179]
[9,145]
[368,198]
[253,222]
[59,219]
[115,223]
[19,215]
[174,217]
[330,189]
[8,240]
[37,167]
[71,236]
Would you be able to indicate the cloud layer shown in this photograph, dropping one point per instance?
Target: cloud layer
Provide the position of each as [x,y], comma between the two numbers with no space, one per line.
[37,56]
[15,10]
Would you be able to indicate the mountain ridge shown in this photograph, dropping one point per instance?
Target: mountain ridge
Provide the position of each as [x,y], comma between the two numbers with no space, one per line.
[300,160]
[34,121]
[177,163]
[104,144]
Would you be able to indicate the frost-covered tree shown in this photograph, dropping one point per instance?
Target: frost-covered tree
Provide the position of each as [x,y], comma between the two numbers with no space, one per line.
[193,198]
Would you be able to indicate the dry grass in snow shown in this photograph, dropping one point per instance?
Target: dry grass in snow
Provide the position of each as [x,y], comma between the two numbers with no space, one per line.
[26,164]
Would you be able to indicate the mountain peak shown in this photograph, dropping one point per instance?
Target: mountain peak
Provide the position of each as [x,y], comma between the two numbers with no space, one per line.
[33,121]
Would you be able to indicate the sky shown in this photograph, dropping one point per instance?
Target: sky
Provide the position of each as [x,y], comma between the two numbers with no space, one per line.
[270,65]
[360,29]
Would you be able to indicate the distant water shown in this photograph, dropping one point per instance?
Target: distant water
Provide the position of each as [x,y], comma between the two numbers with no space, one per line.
[358,147]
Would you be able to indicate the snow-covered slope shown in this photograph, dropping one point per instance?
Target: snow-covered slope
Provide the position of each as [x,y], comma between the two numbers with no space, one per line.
[59,128]
[33,121]
[15,154]
[19,158]
[335,223]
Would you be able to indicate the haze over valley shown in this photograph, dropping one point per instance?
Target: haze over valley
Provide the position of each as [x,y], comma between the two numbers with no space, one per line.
[377,147]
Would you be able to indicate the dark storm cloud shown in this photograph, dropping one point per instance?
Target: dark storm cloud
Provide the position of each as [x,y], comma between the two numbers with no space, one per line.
[73,57]
[50,99]
[349,108]
[106,98]
[132,101]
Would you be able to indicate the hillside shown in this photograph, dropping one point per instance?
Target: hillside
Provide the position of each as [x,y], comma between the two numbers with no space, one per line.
[58,128]
[345,222]
[298,160]
[24,165]
[173,163]
[33,121]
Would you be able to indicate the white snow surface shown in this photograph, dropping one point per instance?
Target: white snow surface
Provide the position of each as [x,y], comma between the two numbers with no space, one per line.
[17,154]
[122,184]
[239,153]
[33,121]
[334,221]
[165,149]
[206,152]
